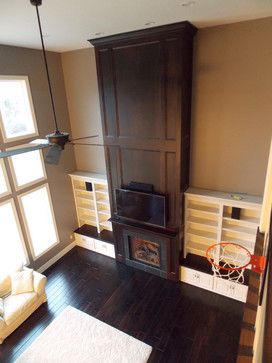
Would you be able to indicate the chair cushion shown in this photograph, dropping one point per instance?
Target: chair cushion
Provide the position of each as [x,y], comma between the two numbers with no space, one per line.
[15,305]
[22,282]
[1,307]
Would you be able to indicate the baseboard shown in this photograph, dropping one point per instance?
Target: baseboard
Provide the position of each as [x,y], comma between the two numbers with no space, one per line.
[57,257]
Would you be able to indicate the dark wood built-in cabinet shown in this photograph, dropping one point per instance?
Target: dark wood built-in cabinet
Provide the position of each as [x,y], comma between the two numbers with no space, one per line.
[144,82]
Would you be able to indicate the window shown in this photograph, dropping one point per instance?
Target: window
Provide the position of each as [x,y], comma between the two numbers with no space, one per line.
[27,168]
[27,217]
[16,108]
[11,242]
[4,186]
[41,226]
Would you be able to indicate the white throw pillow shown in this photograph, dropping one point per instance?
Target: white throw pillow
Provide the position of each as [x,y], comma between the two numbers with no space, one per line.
[5,281]
[1,307]
[22,282]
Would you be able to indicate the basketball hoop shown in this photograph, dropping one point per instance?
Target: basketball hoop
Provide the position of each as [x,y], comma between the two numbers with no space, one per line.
[229,260]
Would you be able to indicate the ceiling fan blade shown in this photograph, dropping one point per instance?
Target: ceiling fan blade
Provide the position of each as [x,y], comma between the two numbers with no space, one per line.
[22,149]
[84,143]
[53,155]
[40,142]
[85,137]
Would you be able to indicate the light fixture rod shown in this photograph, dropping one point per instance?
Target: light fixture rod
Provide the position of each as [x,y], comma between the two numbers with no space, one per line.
[47,71]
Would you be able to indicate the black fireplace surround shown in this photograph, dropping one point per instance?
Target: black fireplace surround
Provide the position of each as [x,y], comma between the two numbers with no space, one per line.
[156,268]
[161,243]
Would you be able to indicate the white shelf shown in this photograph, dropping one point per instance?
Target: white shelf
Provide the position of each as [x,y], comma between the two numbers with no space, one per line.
[101,192]
[239,229]
[250,221]
[103,201]
[89,177]
[203,209]
[202,234]
[227,233]
[197,248]
[208,220]
[85,204]
[104,212]
[82,189]
[87,221]
[84,193]
[85,209]
[203,221]
[84,196]
[92,205]
[247,244]
[226,198]
[85,214]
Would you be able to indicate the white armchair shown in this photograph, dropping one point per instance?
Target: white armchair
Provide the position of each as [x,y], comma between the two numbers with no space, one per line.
[17,308]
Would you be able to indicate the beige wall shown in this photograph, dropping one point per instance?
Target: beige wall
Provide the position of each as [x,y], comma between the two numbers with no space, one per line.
[232,106]
[21,61]
[84,109]
[231,110]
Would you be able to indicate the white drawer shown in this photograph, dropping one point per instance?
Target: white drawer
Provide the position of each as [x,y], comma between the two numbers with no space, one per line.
[196,278]
[104,248]
[84,241]
[215,284]
[230,289]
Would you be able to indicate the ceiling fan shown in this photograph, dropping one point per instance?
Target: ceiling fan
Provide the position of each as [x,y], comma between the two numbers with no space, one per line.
[56,140]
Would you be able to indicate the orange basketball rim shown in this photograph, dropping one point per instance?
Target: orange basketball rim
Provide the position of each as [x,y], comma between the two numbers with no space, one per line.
[230,256]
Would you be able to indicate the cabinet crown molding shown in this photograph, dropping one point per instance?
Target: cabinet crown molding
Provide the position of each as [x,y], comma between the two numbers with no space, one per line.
[168,29]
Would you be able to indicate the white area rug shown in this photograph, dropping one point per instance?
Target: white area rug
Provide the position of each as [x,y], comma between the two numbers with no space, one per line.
[75,337]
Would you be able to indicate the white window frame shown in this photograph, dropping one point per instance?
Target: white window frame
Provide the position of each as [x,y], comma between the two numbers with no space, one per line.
[11,139]
[17,187]
[25,220]
[11,201]
[2,164]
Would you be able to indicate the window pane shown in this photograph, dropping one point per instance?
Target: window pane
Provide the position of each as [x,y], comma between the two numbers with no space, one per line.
[39,220]
[3,183]
[27,167]
[15,107]
[11,244]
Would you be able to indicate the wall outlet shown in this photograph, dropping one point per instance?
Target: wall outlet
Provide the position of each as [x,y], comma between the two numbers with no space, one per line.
[72,237]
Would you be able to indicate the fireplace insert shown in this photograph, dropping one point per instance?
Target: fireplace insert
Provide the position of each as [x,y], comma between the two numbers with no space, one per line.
[145,251]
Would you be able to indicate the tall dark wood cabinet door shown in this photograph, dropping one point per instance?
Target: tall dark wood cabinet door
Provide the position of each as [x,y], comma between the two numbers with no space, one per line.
[145,94]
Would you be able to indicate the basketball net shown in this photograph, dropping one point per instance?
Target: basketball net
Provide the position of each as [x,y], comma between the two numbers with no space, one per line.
[229,261]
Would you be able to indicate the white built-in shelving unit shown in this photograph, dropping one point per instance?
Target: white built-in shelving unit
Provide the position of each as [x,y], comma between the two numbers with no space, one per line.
[91,199]
[93,209]
[208,220]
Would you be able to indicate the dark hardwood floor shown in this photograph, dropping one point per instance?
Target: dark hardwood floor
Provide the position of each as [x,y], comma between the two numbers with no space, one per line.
[182,323]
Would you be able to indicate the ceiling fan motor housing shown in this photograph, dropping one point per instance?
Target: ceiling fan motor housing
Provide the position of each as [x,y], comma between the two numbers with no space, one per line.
[58,138]
[36,2]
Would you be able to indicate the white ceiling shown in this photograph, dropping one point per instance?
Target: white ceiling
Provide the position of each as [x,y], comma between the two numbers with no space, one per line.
[67,24]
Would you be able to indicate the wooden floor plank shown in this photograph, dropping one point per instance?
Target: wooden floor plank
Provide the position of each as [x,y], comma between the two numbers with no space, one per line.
[182,323]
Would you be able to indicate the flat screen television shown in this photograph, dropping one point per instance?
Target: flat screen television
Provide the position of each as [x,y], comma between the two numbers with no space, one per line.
[148,208]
